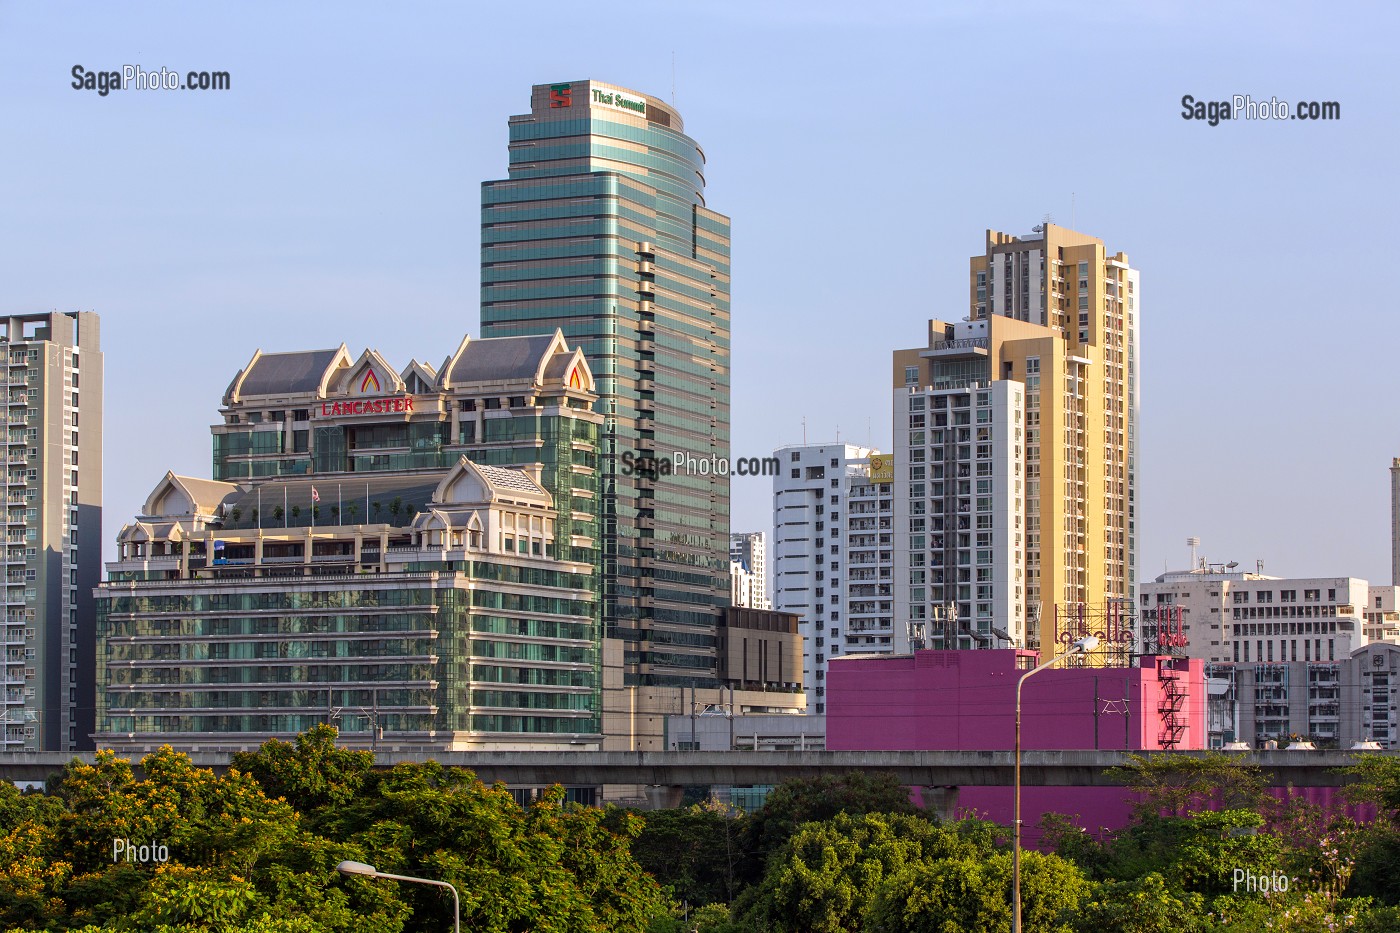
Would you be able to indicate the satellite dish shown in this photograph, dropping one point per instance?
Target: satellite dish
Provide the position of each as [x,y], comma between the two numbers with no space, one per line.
[1232,565]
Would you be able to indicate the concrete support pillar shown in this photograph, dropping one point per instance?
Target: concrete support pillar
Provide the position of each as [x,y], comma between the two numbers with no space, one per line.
[941,800]
[664,796]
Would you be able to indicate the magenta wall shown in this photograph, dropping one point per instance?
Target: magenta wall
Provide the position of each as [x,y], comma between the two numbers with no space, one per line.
[966,700]
[1101,810]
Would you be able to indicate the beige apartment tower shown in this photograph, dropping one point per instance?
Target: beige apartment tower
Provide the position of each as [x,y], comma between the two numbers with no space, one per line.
[1056,313]
[53,530]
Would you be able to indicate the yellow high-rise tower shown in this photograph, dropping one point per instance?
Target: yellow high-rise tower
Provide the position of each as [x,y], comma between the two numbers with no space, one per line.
[1052,525]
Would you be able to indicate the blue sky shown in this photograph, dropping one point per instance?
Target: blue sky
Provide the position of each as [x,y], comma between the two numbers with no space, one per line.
[862,150]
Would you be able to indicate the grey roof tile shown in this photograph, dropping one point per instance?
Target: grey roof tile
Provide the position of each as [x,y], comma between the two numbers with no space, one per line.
[287,373]
[494,359]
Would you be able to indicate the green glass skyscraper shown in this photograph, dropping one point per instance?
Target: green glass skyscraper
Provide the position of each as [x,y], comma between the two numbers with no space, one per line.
[601,231]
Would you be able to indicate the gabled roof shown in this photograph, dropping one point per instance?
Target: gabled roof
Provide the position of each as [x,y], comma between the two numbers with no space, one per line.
[176,496]
[445,519]
[507,479]
[425,373]
[500,359]
[569,369]
[471,483]
[299,372]
[371,374]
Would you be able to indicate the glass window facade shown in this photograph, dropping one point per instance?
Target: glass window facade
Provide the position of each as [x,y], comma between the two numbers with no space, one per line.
[420,653]
[601,230]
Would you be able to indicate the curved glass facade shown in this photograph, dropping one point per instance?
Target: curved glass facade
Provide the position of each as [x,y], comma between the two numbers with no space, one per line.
[601,230]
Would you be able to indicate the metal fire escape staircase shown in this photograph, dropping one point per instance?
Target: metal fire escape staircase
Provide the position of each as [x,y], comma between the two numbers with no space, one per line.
[1171,706]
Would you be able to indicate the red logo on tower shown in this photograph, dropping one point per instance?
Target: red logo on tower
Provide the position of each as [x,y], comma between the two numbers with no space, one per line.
[370,380]
[561,95]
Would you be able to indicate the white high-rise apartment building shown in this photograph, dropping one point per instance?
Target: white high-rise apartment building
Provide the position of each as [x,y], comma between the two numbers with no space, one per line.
[53,542]
[833,557]
[750,549]
[959,512]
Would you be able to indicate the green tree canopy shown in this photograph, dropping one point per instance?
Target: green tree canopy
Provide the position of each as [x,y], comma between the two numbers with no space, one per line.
[806,800]
[1176,784]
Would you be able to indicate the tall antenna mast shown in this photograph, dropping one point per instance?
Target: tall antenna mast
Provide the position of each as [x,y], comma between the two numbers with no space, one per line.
[673,77]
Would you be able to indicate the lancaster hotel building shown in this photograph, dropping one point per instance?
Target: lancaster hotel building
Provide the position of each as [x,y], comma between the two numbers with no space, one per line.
[409,552]
[1015,446]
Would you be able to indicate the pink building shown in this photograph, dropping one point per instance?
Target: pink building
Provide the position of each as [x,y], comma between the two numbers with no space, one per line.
[966,700]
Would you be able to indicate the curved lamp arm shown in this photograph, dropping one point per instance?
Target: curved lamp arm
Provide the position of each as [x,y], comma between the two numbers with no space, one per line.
[369,871]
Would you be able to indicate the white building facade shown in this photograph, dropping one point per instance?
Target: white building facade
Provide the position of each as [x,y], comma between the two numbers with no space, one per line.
[1242,617]
[959,514]
[1382,615]
[833,557]
[750,550]
[740,586]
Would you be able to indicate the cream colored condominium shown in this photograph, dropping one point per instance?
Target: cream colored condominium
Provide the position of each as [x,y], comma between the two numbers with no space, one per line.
[1015,445]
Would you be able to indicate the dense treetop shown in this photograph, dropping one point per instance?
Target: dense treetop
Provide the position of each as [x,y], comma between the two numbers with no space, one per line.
[254,850]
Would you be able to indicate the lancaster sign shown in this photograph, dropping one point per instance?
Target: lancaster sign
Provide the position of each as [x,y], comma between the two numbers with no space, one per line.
[402,404]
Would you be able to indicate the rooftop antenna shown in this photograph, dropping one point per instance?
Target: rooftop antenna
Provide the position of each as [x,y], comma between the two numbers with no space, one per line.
[1073,212]
[1193,542]
[673,77]
[804,430]
[1260,565]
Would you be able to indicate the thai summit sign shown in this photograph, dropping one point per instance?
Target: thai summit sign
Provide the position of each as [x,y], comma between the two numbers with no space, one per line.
[608,97]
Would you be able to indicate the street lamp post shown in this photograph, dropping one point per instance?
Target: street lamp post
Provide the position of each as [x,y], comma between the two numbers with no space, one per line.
[369,871]
[1082,646]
